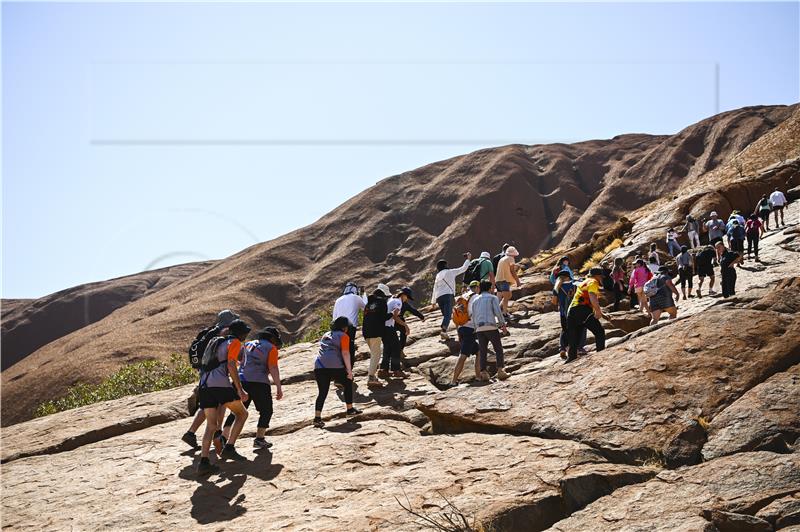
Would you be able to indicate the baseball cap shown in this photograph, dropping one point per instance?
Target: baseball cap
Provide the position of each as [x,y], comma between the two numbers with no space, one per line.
[474,283]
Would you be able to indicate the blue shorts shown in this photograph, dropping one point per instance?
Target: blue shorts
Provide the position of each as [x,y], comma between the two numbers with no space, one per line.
[469,344]
[503,286]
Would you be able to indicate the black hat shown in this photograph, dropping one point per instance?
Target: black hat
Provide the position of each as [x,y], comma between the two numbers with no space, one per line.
[564,273]
[407,291]
[441,265]
[272,334]
[340,324]
[596,271]
[238,328]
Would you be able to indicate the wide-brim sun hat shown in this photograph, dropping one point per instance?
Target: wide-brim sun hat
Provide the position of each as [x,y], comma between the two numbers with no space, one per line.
[226,317]
[512,251]
[384,289]
[486,255]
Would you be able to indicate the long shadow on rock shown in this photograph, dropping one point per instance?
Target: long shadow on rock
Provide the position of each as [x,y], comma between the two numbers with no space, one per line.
[214,500]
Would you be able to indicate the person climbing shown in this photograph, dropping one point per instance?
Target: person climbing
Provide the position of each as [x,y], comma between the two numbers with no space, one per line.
[220,328]
[584,313]
[715,229]
[349,304]
[778,201]
[375,316]
[736,236]
[486,270]
[259,361]
[496,258]
[332,363]
[563,293]
[672,242]
[391,342]
[663,301]
[692,230]
[752,230]
[685,263]
[727,270]
[639,276]
[487,317]
[652,257]
[220,386]
[444,289]
[704,264]
[763,209]
[407,307]
[653,265]
[618,275]
[466,331]
[506,273]
[563,264]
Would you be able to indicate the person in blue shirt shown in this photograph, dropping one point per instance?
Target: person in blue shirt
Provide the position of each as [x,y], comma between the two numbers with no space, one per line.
[563,292]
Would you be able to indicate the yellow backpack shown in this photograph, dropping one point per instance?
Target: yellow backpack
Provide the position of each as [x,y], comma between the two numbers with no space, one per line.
[461,310]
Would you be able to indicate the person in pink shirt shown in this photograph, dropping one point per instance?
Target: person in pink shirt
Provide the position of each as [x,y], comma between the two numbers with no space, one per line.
[639,276]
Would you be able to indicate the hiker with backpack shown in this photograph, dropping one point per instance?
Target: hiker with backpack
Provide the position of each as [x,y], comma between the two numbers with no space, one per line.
[260,360]
[332,363]
[198,346]
[685,263]
[563,293]
[639,276]
[652,257]
[704,263]
[375,315]
[715,229]
[752,230]
[763,209]
[349,304]
[496,258]
[487,317]
[661,300]
[736,236]
[391,341]
[506,274]
[480,269]
[563,265]
[727,269]
[692,230]
[778,201]
[672,242]
[584,313]
[444,290]
[466,331]
[618,275]
[220,386]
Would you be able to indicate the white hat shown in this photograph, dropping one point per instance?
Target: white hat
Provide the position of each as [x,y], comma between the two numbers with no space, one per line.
[713,213]
[512,251]
[385,289]
[486,255]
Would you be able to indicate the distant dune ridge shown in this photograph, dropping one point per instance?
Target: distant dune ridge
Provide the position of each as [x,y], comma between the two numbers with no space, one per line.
[534,196]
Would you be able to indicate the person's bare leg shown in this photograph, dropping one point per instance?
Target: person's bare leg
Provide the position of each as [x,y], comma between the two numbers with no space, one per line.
[710,284]
[208,435]
[656,315]
[673,312]
[504,304]
[199,417]
[238,410]
[459,368]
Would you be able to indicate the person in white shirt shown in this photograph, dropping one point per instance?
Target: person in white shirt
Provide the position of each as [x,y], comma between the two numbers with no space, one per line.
[391,341]
[778,202]
[672,242]
[653,265]
[348,305]
[444,290]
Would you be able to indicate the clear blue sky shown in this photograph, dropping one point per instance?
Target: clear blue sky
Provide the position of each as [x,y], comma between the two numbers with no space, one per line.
[143,135]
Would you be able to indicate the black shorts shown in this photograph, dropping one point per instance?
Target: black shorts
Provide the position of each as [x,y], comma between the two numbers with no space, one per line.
[214,397]
[764,214]
[468,339]
[705,270]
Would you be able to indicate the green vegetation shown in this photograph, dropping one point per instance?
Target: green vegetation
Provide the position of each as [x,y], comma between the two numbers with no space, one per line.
[598,255]
[134,379]
[325,318]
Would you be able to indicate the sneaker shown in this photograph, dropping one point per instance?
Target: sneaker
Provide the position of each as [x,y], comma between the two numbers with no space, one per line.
[501,374]
[339,386]
[712,292]
[373,383]
[191,439]
[261,443]
[444,336]
[570,359]
[353,411]
[229,453]
[318,422]
[217,441]
[485,377]
[581,352]
[383,374]
[206,468]
[399,375]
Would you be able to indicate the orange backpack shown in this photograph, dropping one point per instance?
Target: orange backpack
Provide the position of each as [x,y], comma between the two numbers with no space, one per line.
[461,310]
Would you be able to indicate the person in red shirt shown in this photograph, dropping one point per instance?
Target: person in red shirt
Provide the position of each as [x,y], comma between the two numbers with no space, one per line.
[752,230]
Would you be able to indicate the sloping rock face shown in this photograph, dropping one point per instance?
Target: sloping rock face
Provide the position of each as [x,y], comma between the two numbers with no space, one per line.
[723,494]
[640,398]
[29,324]
[395,231]
[350,476]
[767,417]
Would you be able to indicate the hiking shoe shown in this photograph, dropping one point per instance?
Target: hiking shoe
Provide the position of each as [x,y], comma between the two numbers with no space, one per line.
[400,374]
[501,374]
[570,359]
[444,336]
[373,383]
[318,422]
[206,468]
[353,411]
[261,443]
[191,439]
[485,377]
[383,374]
[217,441]
[229,453]
[339,386]
[581,352]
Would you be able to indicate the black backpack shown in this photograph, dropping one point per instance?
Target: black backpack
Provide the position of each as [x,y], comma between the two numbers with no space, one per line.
[375,315]
[198,347]
[473,272]
[210,361]
[496,260]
